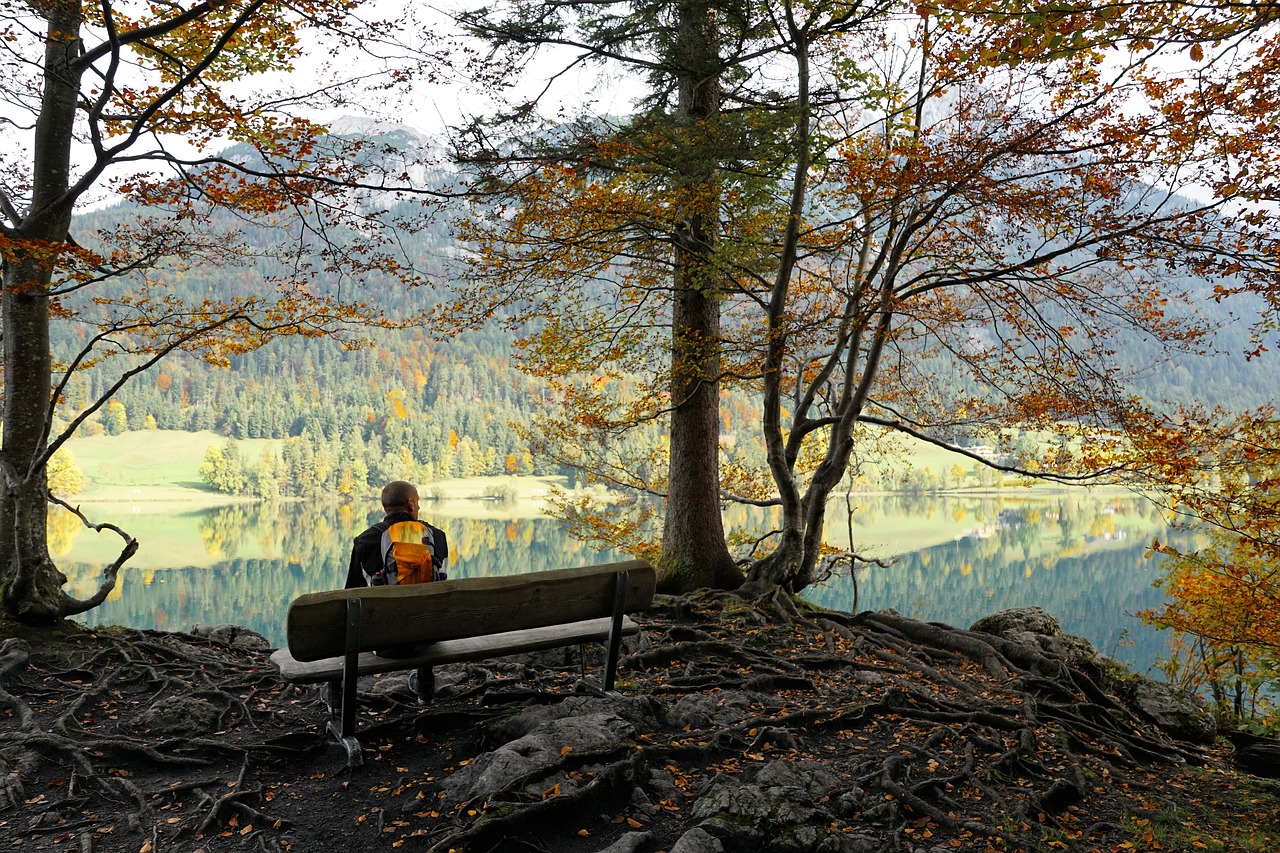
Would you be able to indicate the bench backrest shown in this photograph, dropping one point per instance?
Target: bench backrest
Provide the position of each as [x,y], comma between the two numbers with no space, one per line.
[468,607]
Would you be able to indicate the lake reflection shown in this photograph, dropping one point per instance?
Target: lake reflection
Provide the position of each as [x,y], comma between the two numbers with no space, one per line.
[956,558]
[244,563]
[1078,555]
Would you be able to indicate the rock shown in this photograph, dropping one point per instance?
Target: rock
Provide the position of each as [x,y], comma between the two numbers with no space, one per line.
[660,786]
[180,715]
[629,843]
[1035,629]
[744,816]
[814,779]
[1017,621]
[734,811]
[850,842]
[1260,760]
[1257,754]
[698,840]
[1181,715]
[849,804]
[693,711]
[700,711]
[235,636]
[887,812]
[639,711]
[1061,794]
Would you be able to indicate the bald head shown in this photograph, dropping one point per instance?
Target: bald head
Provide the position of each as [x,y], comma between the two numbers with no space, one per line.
[400,496]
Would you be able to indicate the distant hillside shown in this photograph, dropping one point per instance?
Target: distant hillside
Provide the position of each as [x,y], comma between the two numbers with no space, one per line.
[448,405]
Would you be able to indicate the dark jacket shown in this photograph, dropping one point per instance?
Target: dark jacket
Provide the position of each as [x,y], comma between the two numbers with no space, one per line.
[366,552]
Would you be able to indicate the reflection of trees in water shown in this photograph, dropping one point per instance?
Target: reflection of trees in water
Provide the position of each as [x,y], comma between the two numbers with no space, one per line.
[1077,555]
[1082,559]
[306,534]
[63,529]
[296,532]
[307,550]
[254,593]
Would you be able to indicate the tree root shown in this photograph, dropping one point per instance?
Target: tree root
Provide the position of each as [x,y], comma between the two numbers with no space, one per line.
[916,725]
[93,742]
[232,799]
[611,787]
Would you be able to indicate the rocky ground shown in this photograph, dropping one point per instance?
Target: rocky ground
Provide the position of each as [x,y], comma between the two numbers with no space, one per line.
[742,725]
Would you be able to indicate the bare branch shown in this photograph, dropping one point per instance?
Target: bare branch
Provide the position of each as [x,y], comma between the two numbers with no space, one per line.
[72,606]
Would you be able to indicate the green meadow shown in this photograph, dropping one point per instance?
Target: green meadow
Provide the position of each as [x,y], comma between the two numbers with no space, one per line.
[159,470]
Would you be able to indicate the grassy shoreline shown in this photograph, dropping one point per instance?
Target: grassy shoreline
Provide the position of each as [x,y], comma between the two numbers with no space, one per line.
[161,468]
[154,470]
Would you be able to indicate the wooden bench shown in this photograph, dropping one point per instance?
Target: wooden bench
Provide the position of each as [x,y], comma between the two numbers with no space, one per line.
[331,635]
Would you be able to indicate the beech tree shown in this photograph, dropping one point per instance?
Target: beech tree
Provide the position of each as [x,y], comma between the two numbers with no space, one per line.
[1015,207]
[125,100]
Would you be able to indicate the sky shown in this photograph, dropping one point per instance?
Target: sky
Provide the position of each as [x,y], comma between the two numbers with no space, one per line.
[434,98]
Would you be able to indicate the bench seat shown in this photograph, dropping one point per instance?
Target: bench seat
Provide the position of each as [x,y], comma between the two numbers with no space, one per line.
[454,651]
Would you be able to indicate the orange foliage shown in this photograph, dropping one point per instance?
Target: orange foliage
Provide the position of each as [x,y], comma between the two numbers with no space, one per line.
[1228,477]
[1221,474]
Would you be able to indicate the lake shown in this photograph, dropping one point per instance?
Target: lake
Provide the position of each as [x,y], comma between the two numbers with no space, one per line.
[1078,554]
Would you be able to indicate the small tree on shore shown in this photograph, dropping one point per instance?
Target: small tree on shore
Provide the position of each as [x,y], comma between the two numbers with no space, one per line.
[1221,477]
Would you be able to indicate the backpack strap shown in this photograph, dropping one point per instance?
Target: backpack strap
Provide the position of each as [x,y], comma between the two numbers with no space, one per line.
[439,551]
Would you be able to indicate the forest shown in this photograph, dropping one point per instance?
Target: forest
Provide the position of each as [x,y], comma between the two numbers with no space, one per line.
[418,403]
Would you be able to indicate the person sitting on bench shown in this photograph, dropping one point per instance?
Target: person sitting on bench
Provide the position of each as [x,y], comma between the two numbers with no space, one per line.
[369,562]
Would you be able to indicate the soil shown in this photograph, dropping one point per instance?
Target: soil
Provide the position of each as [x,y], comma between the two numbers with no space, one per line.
[143,742]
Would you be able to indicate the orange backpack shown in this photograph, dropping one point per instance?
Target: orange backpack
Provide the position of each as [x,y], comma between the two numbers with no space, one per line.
[409,554]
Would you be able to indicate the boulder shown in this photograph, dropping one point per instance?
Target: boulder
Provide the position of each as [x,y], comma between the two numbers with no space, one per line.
[639,711]
[1035,629]
[723,708]
[1017,621]
[1260,759]
[180,715]
[1181,715]
[234,636]
[775,809]
[698,840]
[1256,754]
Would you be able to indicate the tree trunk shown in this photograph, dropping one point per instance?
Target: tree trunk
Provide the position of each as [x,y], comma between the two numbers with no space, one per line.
[785,565]
[694,553]
[32,584]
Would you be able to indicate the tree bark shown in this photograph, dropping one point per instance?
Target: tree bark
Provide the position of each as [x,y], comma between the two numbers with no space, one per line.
[694,553]
[32,584]
[782,567]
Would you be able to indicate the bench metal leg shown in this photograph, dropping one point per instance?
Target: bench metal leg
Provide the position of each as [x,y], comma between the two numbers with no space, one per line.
[350,675]
[621,581]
